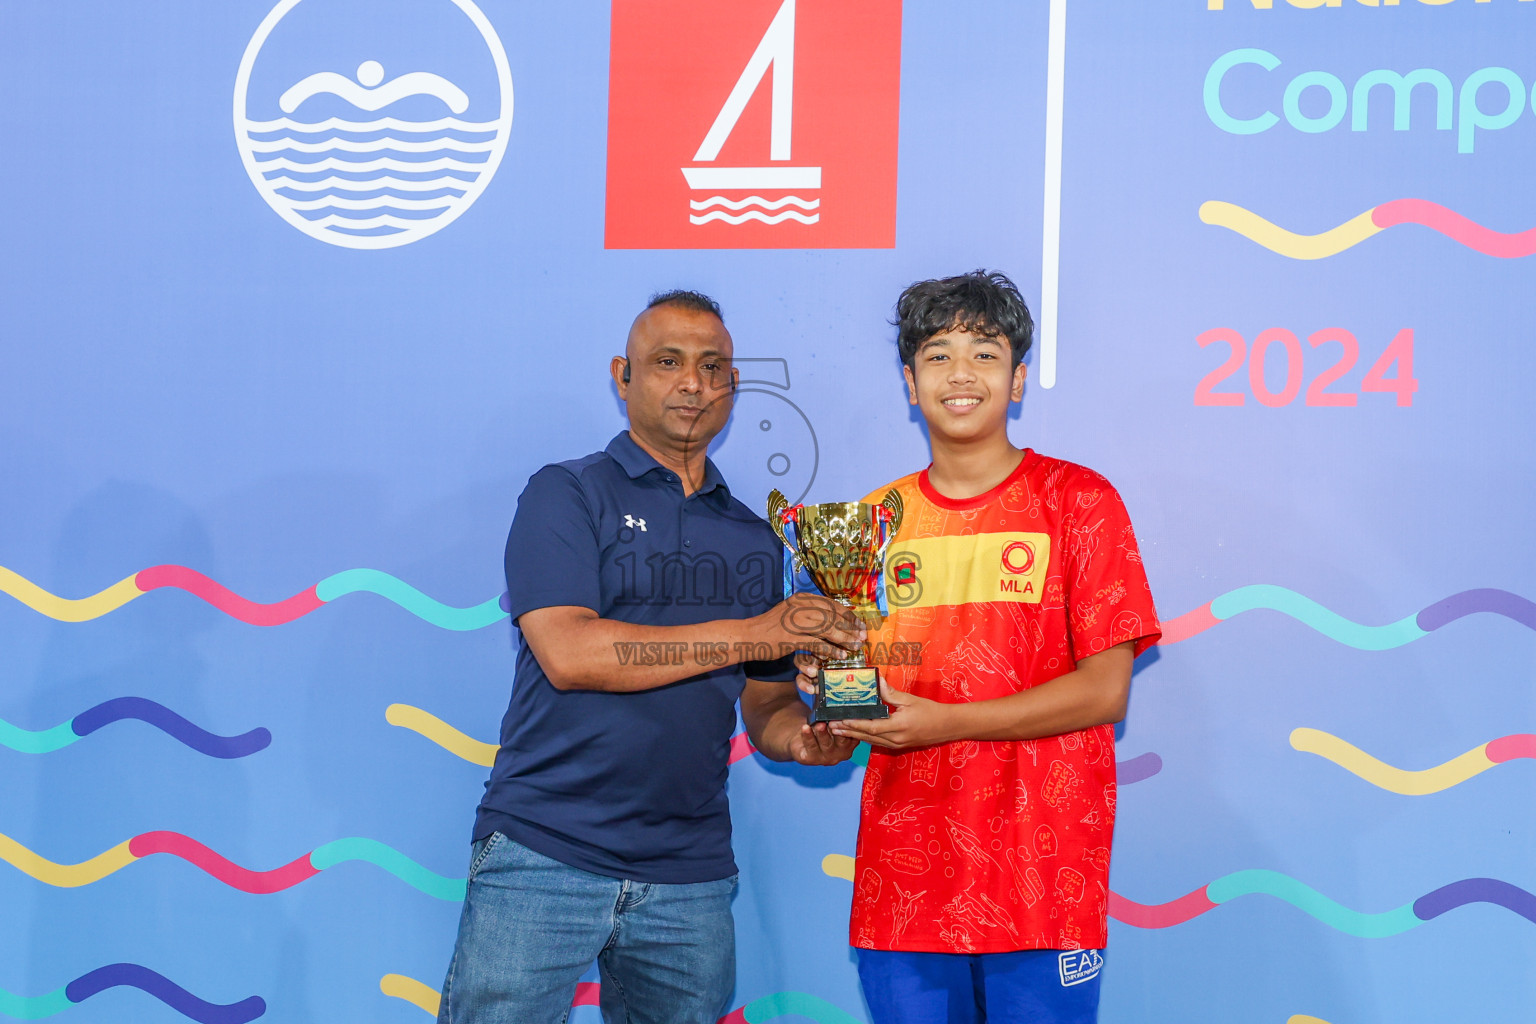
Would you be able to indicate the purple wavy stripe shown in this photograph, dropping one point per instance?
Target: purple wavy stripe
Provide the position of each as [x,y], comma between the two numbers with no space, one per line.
[1143,766]
[505,602]
[1475,890]
[169,722]
[1469,602]
[165,990]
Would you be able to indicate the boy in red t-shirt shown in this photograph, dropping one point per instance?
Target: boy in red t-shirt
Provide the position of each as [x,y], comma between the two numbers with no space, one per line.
[981,877]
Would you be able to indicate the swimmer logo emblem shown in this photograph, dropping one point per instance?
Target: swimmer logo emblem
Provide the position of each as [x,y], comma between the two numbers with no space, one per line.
[363,154]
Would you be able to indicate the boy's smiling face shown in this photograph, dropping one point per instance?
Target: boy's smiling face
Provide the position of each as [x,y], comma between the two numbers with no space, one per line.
[963,382]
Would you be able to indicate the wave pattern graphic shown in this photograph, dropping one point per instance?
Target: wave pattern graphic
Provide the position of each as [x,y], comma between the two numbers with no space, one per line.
[136,976]
[372,197]
[440,732]
[742,218]
[1423,781]
[1262,596]
[179,577]
[758,1011]
[1316,905]
[1372,222]
[1299,895]
[1336,627]
[224,870]
[759,201]
[141,709]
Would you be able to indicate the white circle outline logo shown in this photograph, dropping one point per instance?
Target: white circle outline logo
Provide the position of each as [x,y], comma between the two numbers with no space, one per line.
[416,230]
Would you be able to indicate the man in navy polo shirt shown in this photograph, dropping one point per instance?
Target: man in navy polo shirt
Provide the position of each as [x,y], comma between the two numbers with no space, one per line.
[641,587]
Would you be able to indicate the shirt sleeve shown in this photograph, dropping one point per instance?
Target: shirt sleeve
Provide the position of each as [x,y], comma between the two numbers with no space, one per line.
[552,550]
[1109,600]
[781,670]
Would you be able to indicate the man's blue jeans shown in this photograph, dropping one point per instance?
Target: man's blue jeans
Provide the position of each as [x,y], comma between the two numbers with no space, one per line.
[666,954]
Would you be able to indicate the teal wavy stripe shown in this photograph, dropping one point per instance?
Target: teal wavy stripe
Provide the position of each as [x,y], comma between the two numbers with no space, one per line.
[799,1004]
[374,581]
[28,742]
[32,1007]
[1312,902]
[391,860]
[1309,612]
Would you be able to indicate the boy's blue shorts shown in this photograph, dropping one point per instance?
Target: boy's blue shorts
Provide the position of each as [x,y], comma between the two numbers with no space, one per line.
[1033,986]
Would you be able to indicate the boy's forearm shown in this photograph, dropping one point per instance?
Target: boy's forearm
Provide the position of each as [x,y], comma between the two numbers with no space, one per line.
[1093,694]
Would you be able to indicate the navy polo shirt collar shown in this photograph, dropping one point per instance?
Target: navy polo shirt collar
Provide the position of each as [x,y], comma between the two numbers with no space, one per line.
[637,462]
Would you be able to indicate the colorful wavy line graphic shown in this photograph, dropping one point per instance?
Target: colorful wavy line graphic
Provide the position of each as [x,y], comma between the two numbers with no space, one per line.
[1302,897]
[1372,222]
[440,732]
[224,870]
[133,976]
[486,613]
[1334,626]
[417,993]
[1320,907]
[1408,782]
[758,1011]
[119,709]
[352,581]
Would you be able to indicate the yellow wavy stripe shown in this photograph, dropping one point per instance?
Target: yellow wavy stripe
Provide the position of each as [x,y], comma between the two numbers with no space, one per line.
[441,733]
[1301,1018]
[1287,243]
[1379,773]
[838,865]
[65,875]
[67,609]
[411,990]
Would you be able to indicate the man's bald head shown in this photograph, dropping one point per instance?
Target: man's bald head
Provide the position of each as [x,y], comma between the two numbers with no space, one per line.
[677,298]
[676,377]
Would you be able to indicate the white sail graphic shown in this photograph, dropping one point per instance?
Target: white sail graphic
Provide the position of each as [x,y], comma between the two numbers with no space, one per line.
[775,52]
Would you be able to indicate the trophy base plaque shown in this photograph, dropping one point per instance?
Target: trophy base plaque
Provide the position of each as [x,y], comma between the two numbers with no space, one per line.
[844,693]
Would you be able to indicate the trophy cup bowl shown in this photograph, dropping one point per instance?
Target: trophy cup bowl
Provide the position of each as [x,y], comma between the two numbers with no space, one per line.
[842,546]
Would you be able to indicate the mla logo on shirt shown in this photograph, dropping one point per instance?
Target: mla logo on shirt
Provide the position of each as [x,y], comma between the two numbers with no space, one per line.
[1079,965]
[369,138]
[755,124]
[1019,558]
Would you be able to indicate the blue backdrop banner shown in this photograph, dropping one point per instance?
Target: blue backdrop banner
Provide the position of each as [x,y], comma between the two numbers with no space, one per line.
[296,298]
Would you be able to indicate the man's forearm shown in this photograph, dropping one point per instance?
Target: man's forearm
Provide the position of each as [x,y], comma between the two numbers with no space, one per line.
[620,657]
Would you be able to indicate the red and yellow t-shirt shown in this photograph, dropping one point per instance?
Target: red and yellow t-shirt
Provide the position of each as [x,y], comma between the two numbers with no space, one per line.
[992,846]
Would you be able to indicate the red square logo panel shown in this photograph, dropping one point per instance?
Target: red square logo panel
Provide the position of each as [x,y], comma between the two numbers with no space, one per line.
[753,124]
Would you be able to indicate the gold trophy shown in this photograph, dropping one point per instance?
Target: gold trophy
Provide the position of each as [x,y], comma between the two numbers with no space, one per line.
[842,545]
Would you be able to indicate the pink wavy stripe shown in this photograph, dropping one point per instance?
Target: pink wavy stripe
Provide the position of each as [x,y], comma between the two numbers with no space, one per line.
[1507,748]
[740,747]
[1454,226]
[226,871]
[586,994]
[226,600]
[1187,625]
[1161,915]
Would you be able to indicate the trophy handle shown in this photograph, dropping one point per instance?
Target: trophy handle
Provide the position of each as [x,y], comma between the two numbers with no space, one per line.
[777,503]
[892,501]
